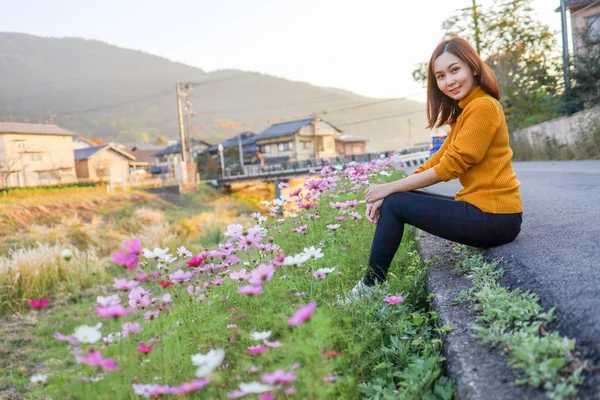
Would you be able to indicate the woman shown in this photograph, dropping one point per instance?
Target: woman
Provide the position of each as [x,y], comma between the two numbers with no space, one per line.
[462,92]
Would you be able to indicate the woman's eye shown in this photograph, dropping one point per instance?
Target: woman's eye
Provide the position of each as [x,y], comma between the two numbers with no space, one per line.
[440,77]
[455,69]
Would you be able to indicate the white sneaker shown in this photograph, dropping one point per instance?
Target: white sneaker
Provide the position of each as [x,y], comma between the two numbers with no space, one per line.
[360,291]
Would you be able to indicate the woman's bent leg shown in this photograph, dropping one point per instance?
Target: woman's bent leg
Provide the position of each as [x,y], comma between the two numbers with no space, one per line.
[439,215]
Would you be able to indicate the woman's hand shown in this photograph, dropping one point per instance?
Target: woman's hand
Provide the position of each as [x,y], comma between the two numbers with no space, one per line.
[377,192]
[373,210]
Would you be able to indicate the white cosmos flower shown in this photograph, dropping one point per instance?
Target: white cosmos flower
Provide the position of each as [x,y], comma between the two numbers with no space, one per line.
[108,300]
[313,252]
[88,334]
[266,203]
[278,202]
[298,259]
[260,335]
[325,270]
[156,253]
[285,198]
[255,387]
[208,362]
[112,337]
[385,173]
[37,378]
[292,215]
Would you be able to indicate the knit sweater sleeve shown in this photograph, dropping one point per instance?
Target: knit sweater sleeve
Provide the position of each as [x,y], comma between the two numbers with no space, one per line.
[481,121]
[435,158]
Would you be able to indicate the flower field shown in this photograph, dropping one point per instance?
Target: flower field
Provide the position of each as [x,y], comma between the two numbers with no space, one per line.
[256,316]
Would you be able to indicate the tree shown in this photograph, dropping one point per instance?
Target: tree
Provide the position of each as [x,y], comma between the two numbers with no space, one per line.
[585,92]
[520,51]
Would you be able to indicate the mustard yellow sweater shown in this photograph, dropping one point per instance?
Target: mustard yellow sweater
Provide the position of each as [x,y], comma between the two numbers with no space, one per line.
[476,152]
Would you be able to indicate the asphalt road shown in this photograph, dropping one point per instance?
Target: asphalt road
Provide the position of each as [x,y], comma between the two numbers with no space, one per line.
[557,254]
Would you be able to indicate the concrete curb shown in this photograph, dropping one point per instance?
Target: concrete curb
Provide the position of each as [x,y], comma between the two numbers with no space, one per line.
[478,372]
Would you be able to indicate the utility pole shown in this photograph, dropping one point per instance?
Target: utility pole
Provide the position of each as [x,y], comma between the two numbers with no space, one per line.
[189,112]
[181,127]
[565,40]
[409,135]
[241,150]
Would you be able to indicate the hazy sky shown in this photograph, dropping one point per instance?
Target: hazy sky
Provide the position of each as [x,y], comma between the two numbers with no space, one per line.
[367,46]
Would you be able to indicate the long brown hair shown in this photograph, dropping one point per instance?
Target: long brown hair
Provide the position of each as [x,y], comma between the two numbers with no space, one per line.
[441,109]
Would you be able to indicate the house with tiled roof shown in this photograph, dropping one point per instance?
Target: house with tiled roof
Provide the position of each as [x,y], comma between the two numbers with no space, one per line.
[299,140]
[35,154]
[585,22]
[99,163]
[347,145]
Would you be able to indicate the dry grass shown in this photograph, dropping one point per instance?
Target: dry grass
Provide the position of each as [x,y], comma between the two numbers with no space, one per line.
[41,272]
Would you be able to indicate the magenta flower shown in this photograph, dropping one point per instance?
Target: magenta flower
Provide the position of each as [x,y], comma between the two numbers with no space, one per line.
[143,348]
[64,338]
[279,376]
[135,246]
[141,276]
[195,261]
[302,314]
[130,327]
[130,260]
[252,350]
[263,272]
[296,192]
[40,303]
[250,290]
[94,358]
[113,311]
[266,396]
[315,185]
[393,299]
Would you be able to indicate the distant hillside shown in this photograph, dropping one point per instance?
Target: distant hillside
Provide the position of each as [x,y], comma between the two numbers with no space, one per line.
[97,89]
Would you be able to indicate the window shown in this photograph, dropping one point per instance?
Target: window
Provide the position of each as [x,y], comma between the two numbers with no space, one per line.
[306,145]
[593,25]
[286,146]
[36,157]
[265,148]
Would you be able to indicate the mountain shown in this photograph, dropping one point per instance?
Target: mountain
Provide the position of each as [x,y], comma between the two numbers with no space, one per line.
[97,89]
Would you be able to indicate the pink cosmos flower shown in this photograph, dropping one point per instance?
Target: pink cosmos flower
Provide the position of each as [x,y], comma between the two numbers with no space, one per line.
[250,290]
[125,284]
[263,272]
[313,216]
[135,246]
[64,338]
[274,344]
[240,275]
[139,297]
[300,294]
[315,185]
[307,206]
[130,327]
[330,378]
[113,311]
[145,349]
[266,396]
[319,274]
[94,358]
[296,192]
[279,376]
[355,215]
[180,276]
[40,303]
[217,281]
[300,229]
[141,276]
[231,326]
[352,203]
[151,314]
[332,227]
[130,260]
[108,300]
[340,218]
[249,240]
[393,299]
[252,350]
[235,394]
[189,387]
[295,365]
[302,314]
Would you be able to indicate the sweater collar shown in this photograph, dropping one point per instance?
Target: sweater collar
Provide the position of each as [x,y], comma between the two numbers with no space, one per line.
[475,93]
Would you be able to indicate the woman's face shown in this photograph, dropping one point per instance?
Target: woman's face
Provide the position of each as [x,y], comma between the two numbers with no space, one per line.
[454,77]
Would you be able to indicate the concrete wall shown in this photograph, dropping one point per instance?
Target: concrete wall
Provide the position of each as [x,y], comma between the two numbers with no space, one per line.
[37,159]
[564,129]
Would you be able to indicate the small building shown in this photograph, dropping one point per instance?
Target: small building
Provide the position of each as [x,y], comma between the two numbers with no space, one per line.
[35,154]
[245,140]
[169,154]
[346,145]
[585,20]
[305,139]
[99,163]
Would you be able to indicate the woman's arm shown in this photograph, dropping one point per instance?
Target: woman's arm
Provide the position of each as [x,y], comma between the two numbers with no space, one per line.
[411,182]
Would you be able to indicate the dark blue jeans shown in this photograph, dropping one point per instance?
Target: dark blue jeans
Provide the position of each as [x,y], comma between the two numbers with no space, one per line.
[439,215]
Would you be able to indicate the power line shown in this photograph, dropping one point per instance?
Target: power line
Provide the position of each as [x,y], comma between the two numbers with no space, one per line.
[380,118]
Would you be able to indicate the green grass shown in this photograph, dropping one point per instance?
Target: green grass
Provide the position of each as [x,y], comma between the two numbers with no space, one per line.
[387,351]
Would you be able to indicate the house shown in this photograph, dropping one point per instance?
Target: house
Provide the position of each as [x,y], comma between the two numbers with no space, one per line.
[80,142]
[173,152]
[99,163]
[35,154]
[305,139]
[346,145]
[144,155]
[244,139]
[585,20]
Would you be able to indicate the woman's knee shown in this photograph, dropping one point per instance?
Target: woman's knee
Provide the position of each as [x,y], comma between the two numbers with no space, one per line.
[394,201]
